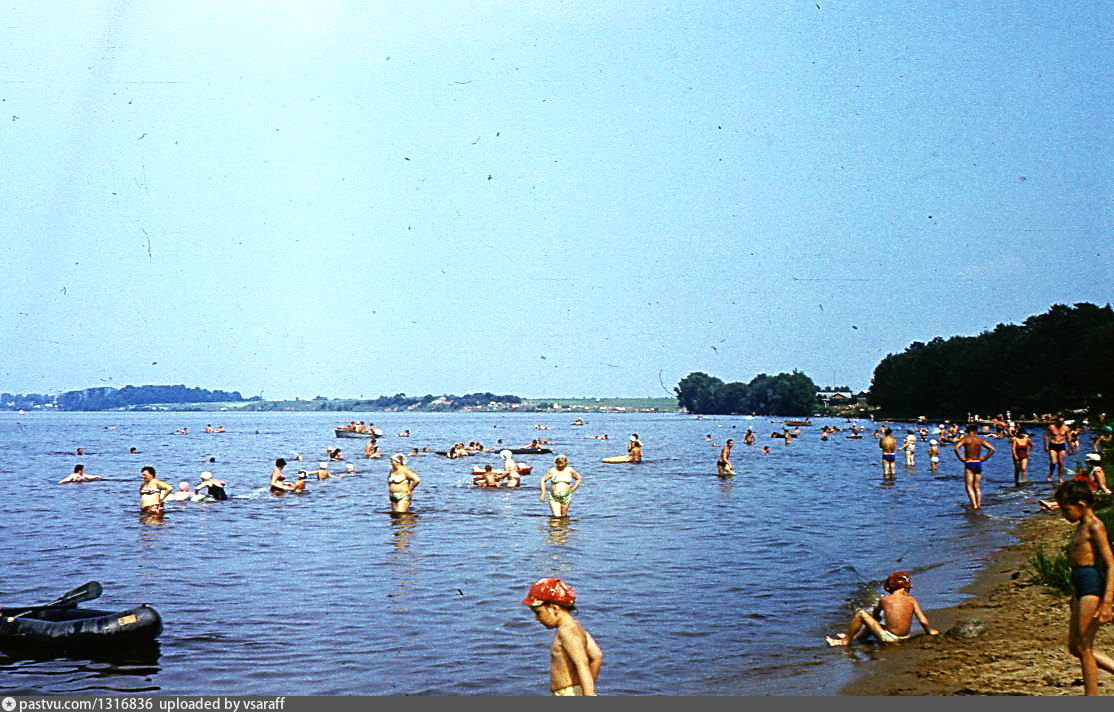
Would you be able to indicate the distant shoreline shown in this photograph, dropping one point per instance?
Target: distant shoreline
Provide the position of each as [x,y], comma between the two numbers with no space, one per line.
[348,405]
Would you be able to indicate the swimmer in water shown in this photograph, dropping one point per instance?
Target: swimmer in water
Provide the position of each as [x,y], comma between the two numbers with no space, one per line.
[565,481]
[212,486]
[183,493]
[401,483]
[973,446]
[152,492]
[78,475]
[724,468]
[278,479]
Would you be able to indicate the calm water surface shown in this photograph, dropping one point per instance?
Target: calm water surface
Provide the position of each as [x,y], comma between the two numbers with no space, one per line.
[692,585]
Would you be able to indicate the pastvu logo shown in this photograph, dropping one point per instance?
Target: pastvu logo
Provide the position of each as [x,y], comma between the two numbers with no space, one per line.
[8,704]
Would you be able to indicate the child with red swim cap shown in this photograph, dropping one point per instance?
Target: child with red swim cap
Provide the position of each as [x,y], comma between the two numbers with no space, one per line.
[575,658]
[897,608]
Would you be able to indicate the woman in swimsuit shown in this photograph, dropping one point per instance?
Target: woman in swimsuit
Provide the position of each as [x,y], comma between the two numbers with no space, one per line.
[401,483]
[278,480]
[152,492]
[1020,446]
[510,470]
[565,481]
[634,448]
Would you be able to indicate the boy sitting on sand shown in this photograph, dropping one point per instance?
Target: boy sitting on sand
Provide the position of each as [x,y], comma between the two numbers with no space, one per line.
[575,659]
[898,609]
[1091,561]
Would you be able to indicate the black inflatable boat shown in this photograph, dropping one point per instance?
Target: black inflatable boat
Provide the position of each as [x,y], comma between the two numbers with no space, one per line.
[64,628]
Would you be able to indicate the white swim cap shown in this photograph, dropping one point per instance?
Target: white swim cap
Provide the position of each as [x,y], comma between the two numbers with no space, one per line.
[350,467]
[183,485]
[399,458]
[931,442]
[505,454]
[323,465]
[206,475]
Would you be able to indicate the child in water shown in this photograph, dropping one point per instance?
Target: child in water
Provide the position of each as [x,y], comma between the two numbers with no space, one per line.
[898,608]
[575,658]
[1091,561]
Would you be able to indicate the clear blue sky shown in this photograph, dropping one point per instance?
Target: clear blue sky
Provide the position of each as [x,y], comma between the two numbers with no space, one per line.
[562,198]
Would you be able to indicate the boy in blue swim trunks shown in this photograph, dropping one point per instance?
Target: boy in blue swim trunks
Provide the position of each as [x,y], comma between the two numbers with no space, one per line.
[972,458]
[1091,560]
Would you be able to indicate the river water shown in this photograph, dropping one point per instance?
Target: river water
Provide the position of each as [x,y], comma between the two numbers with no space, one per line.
[691,585]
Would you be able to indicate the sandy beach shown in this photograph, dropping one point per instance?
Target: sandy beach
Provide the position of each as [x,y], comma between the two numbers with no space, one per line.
[1009,638]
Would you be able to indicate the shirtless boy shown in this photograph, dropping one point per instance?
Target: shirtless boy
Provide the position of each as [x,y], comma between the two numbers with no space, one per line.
[972,446]
[574,657]
[888,443]
[1091,562]
[1056,445]
[897,608]
[723,464]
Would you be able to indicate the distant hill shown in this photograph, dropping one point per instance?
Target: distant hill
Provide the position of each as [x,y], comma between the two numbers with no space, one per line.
[107,398]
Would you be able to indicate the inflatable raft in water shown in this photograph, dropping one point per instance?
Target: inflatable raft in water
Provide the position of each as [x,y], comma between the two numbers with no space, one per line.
[64,628]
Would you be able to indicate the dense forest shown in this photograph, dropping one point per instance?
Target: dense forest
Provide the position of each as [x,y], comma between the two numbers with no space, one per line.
[784,394]
[1062,359]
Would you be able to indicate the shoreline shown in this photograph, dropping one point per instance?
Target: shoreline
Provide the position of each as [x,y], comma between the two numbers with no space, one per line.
[1008,638]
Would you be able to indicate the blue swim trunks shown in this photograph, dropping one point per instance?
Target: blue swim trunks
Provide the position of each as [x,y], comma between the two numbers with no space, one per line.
[1088,581]
[889,457]
[974,466]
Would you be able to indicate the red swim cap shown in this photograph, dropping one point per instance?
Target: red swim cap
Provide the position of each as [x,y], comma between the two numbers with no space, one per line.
[550,590]
[896,580]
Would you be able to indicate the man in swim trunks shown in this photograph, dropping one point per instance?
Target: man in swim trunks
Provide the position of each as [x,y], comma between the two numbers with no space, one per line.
[972,446]
[574,656]
[1056,445]
[1091,561]
[897,609]
[724,467]
[888,445]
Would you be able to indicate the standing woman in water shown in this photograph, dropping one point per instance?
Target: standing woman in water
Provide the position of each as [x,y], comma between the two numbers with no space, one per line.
[152,492]
[565,481]
[401,483]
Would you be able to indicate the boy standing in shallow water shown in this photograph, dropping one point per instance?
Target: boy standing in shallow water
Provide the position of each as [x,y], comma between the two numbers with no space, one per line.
[575,659]
[1091,561]
[897,608]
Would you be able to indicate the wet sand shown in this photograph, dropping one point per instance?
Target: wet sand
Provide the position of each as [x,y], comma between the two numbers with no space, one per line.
[1009,638]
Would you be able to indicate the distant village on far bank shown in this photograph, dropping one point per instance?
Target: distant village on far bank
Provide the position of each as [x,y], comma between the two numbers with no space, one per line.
[185,399]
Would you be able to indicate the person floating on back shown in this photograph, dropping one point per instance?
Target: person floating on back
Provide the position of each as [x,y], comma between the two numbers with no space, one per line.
[575,658]
[897,608]
[1091,561]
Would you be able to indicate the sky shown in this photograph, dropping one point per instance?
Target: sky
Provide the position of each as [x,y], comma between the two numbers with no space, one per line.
[575,198]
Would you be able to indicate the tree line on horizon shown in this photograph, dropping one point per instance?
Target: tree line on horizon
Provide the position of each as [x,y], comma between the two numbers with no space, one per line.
[784,394]
[1059,360]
